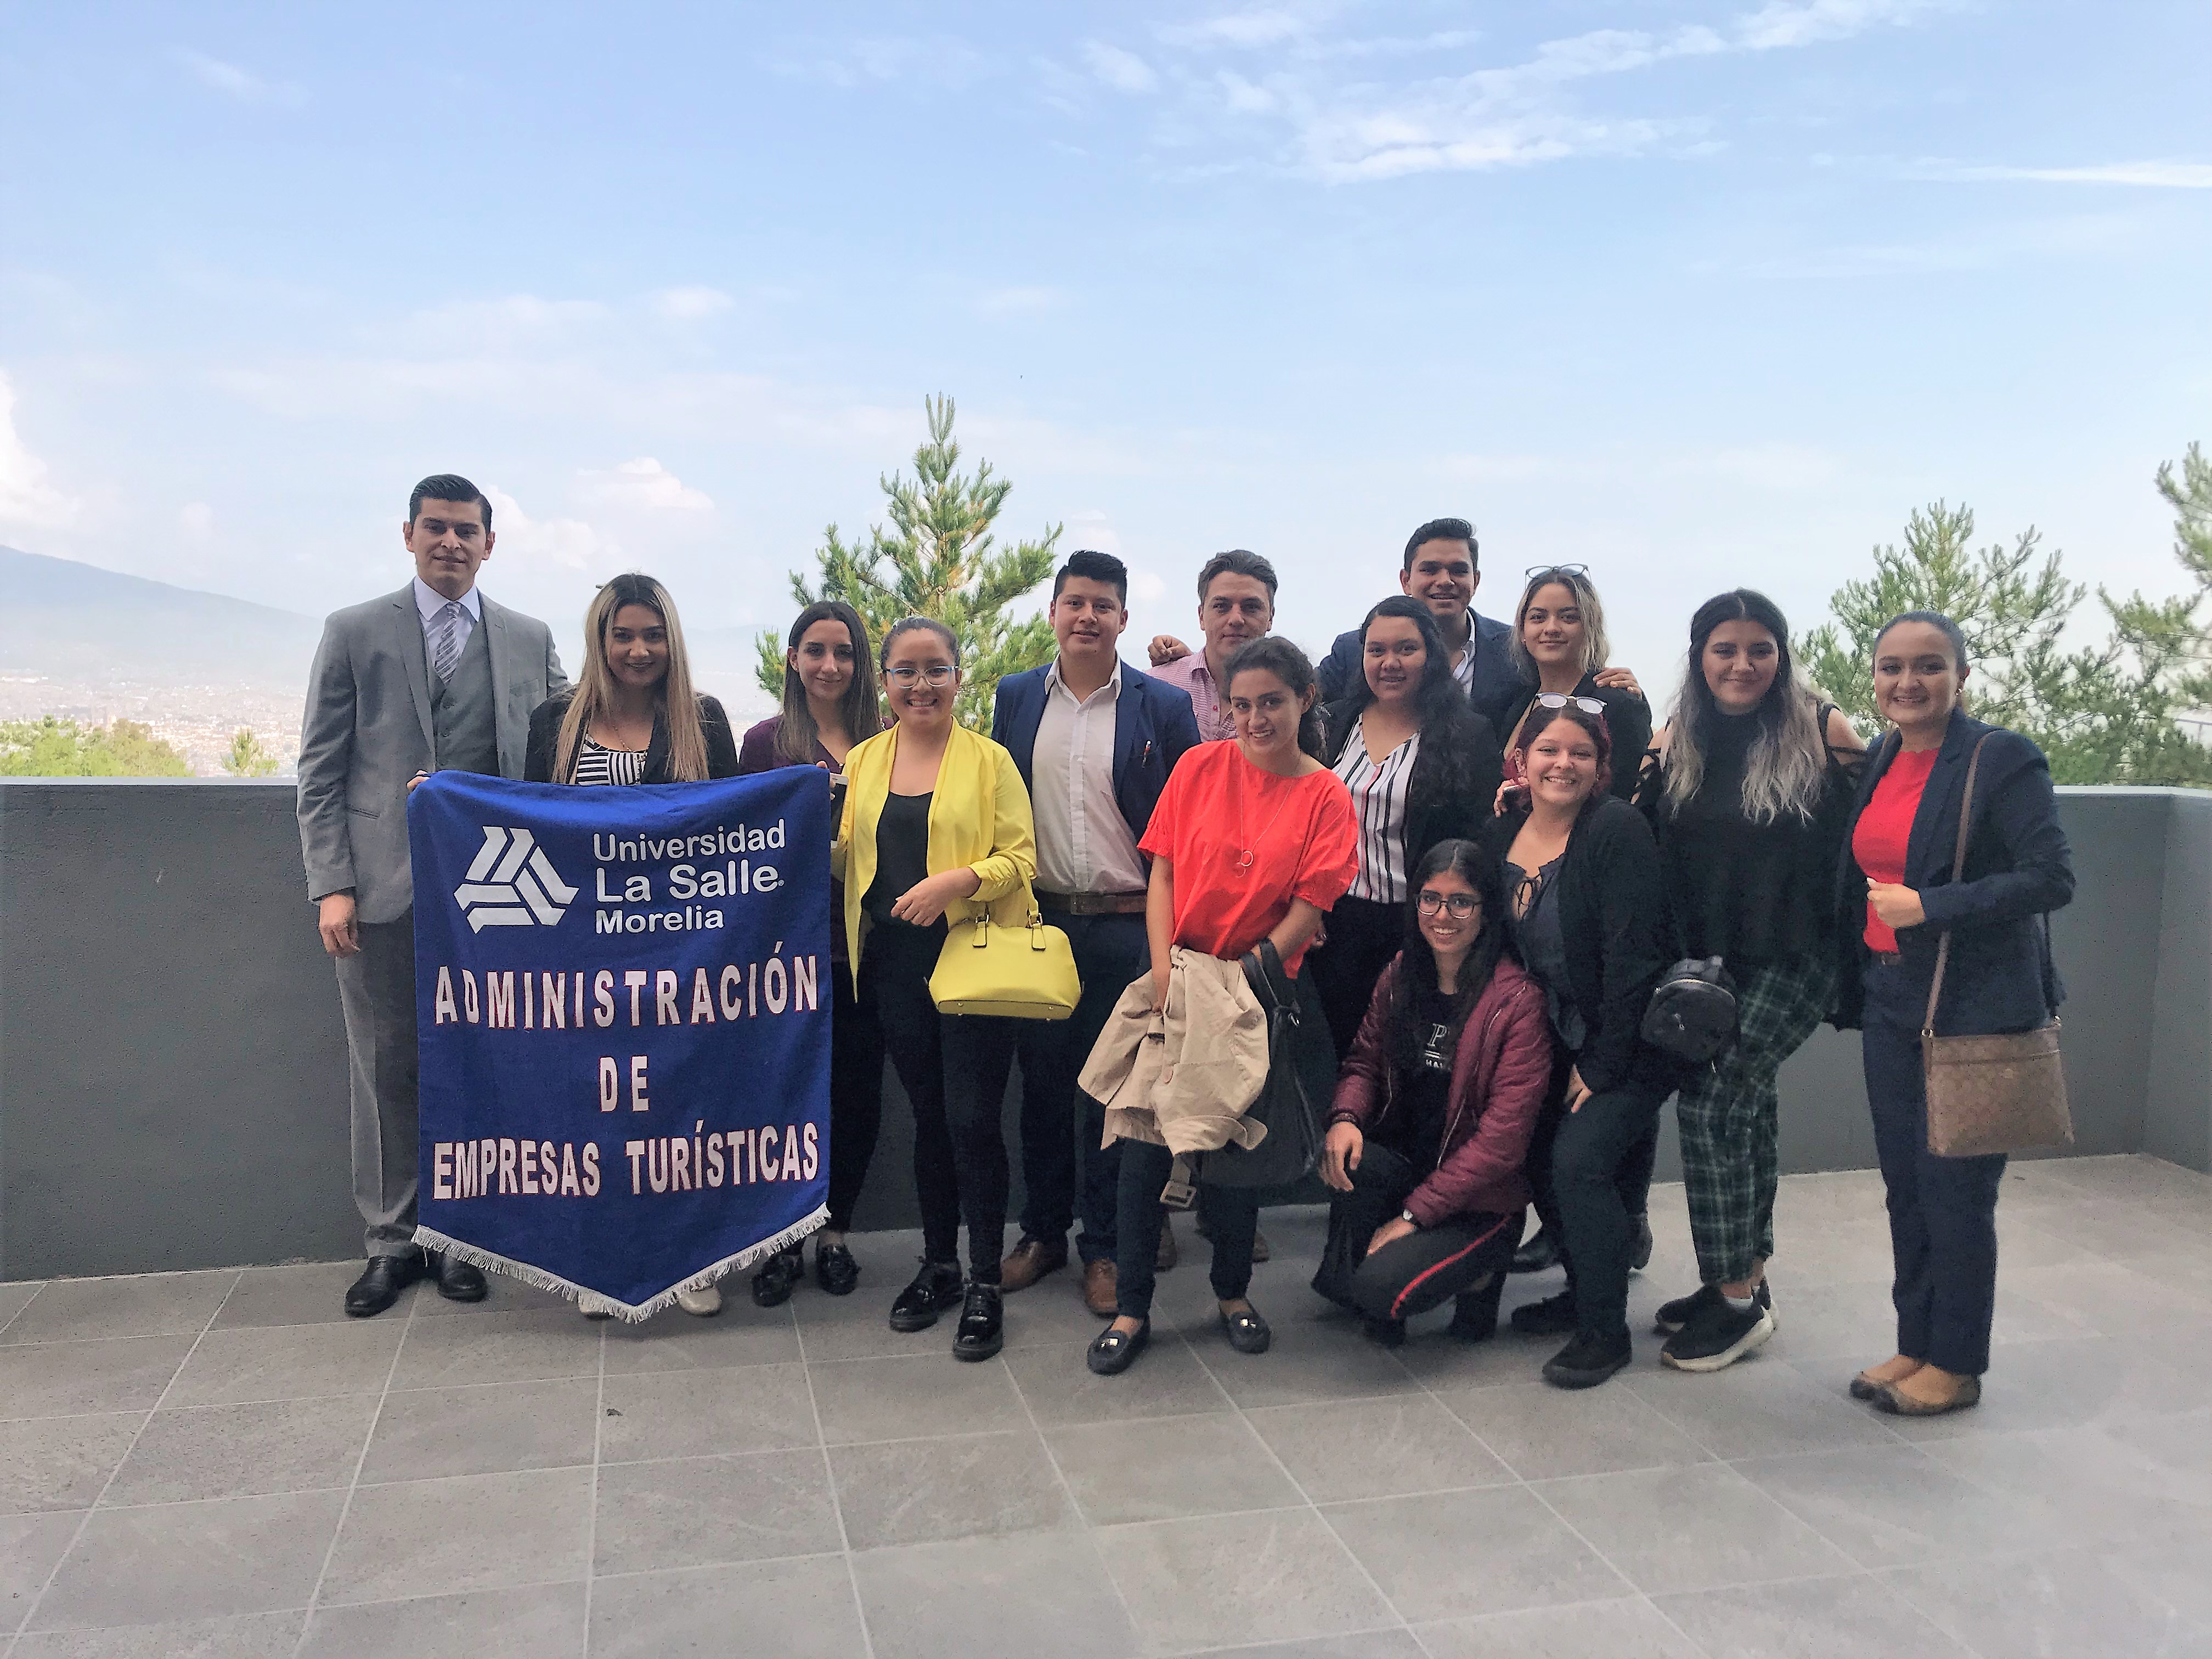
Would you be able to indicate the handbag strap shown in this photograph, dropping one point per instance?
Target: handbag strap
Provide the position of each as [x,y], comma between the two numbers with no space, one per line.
[1957,871]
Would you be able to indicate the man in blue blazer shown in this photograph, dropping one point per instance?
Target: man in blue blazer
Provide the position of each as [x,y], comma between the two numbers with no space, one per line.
[1442,571]
[1095,741]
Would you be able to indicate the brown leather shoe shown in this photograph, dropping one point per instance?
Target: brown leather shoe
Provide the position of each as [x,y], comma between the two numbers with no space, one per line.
[1100,1283]
[1030,1260]
[1167,1255]
[1260,1249]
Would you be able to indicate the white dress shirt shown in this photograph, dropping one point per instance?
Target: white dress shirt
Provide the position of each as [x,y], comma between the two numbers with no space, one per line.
[1084,844]
[428,601]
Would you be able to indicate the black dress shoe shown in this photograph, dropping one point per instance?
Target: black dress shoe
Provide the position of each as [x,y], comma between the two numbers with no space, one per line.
[1550,1317]
[835,1269]
[379,1286]
[1248,1333]
[457,1281]
[1587,1360]
[1113,1351]
[1538,1254]
[935,1288]
[778,1277]
[982,1329]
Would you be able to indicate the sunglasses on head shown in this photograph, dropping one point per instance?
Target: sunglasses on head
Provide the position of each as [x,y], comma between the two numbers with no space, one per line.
[1536,570]
[1560,700]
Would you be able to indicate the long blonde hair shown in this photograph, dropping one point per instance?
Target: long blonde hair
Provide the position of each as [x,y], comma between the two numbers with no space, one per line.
[687,738]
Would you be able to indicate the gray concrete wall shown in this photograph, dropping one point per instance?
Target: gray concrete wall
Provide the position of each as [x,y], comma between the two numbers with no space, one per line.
[172,1063]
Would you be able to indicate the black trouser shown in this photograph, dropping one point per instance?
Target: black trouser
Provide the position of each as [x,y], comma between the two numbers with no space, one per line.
[856,1095]
[1632,1179]
[1600,1174]
[1363,937]
[1415,1273]
[1942,1210]
[1110,951]
[1230,1216]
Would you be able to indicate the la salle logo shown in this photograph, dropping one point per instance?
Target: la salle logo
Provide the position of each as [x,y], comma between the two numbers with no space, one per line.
[512,884]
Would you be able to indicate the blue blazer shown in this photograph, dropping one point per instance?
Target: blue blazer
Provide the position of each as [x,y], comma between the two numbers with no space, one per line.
[1153,725]
[1495,677]
[2001,977]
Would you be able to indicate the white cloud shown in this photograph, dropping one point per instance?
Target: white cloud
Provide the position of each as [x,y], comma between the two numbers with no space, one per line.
[691,305]
[1259,25]
[26,497]
[2153,175]
[645,485]
[878,60]
[196,520]
[1122,71]
[240,84]
[571,543]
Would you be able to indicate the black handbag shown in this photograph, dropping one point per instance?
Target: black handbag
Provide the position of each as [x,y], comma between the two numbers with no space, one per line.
[1693,1011]
[1291,1149]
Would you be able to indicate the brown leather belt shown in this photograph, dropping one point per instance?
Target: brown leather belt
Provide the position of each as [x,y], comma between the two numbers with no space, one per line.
[1092,904]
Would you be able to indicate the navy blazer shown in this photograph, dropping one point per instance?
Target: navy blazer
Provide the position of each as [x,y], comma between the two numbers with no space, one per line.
[1494,677]
[2001,977]
[1153,725]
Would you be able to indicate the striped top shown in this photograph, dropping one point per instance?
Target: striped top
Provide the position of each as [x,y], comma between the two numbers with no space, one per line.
[597,765]
[1378,801]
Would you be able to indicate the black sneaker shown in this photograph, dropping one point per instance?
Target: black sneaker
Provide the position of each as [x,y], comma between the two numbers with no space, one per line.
[779,1276]
[1639,1246]
[1720,1334]
[835,1270]
[1673,1315]
[982,1329]
[935,1288]
[1549,1317]
[1587,1360]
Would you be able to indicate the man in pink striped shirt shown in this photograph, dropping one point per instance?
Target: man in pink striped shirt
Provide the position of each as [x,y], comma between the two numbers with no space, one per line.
[1235,604]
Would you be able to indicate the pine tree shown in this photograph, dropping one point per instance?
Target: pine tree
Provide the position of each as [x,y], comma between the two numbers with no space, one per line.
[943,563]
[248,757]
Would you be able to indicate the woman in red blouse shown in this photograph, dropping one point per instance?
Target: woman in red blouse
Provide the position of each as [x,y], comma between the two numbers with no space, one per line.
[1252,841]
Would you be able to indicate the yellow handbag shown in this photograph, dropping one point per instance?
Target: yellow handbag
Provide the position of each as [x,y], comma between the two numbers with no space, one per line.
[1017,973]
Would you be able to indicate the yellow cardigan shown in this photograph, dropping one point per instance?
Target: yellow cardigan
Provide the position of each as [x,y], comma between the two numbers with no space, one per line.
[979,818]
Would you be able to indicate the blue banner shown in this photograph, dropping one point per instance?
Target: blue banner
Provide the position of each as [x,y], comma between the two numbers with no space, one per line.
[623,1003]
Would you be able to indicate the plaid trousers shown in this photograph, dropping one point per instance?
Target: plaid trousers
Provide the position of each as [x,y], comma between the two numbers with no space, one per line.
[1729,1116]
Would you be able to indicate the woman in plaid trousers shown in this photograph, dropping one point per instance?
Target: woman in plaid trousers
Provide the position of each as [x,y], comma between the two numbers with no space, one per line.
[1749,792]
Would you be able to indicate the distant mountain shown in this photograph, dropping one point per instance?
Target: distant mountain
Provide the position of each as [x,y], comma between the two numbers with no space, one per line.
[72,622]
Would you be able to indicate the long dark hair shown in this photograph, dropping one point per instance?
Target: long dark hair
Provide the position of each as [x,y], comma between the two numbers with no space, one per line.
[861,707]
[1787,767]
[1417,975]
[1278,656]
[1446,717]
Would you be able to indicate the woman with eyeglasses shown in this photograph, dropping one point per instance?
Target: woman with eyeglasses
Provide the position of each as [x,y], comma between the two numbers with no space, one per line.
[1434,1108]
[1587,906]
[831,701]
[1421,766]
[936,830]
[1559,644]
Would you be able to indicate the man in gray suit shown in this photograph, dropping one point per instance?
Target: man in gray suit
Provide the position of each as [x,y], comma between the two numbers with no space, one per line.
[433,677]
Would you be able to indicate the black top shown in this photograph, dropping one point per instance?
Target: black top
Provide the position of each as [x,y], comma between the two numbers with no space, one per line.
[1414,1127]
[1751,893]
[545,738]
[1627,722]
[1541,940]
[901,854]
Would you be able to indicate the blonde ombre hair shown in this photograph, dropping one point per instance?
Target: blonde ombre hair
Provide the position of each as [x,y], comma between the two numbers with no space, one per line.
[679,705]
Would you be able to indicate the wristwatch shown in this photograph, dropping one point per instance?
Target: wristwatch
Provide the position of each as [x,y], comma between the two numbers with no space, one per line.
[1406,1216]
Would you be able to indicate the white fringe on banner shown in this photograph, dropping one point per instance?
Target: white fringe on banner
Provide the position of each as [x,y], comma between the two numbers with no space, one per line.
[430,1238]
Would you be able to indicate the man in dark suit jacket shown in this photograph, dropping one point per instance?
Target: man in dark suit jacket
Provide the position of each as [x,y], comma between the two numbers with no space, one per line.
[435,676]
[1095,741]
[1441,569]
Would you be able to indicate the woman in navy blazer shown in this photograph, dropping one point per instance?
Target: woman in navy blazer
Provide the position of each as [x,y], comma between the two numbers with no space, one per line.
[1896,899]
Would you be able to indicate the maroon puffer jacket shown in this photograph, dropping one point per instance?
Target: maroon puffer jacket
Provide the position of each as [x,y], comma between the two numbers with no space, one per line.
[1500,1078]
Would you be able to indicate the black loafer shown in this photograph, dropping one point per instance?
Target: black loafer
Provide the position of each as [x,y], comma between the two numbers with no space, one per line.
[1113,1351]
[1248,1333]
[1552,1317]
[982,1329]
[1587,1360]
[835,1269]
[1538,1254]
[381,1283]
[457,1281]
[779,1276]
[935,1288]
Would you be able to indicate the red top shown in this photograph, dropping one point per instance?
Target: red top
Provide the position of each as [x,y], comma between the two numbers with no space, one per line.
[1244,842]
[1884,829]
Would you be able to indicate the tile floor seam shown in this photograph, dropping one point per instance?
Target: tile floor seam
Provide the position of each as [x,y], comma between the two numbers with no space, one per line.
[361,1460]
[829,1477]
[592,1509]
[84,1522]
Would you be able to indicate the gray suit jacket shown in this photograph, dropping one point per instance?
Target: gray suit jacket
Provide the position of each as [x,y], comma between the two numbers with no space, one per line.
[368,730]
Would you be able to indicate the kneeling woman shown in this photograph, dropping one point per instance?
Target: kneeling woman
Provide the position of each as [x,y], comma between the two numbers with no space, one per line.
[1251,843]
[1433,1113]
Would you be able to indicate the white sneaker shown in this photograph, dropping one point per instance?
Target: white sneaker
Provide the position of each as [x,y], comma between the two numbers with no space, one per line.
[592,1305]
[701,1305]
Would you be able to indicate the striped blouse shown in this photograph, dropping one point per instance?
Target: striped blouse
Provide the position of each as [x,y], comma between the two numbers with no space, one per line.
[1378,801]
[597,765]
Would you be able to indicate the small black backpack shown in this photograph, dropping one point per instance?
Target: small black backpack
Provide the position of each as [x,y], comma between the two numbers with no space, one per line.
[1693,1011]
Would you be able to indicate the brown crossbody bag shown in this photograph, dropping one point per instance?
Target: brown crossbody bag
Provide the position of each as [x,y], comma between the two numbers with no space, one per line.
[1989,1094]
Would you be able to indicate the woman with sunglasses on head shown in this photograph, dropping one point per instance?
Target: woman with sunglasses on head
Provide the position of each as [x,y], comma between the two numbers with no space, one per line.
[1559,645]
[936,830]
[1587,906]
[831,703]
[1433,1113]
[1749,789]
[632,717]
[1421,766]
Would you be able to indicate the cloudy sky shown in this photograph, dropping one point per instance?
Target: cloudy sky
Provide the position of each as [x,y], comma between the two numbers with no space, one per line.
[1698,291]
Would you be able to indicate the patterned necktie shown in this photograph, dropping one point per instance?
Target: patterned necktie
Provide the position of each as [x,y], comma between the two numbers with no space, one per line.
[446,639]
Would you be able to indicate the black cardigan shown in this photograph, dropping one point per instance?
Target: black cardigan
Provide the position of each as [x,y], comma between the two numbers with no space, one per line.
[1442,801]
[2019,868]
[545,738]
[1619,935]
[1627,722]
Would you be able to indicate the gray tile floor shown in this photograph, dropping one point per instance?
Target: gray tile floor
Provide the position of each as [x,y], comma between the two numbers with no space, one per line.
[220,1464]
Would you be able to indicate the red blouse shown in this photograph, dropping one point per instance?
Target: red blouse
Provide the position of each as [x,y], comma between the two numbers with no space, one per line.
[1243,842]
[1884,829]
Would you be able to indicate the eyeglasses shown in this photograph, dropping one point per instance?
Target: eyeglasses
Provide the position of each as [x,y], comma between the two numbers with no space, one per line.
[937,677]
[1560,700]
[1461,905]
[1536,570]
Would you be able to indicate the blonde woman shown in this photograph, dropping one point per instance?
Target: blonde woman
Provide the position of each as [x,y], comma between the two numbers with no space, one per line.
[1559,648]
[632,717]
